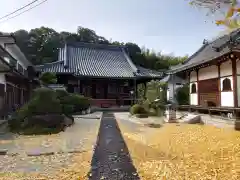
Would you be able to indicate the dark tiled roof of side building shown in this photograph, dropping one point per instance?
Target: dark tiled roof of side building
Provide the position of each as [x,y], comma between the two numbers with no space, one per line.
[96,60]
[207,52]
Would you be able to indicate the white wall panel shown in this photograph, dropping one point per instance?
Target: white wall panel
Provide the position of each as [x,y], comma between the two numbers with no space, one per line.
[193,76]
[194,99]
[226,68]
[208,72]
[2,78]
[227,99]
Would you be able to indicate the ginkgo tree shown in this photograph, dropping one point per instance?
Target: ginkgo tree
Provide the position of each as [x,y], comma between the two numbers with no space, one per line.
[229,8]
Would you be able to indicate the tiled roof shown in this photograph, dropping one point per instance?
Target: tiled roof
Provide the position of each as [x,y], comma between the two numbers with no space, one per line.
[208,52]
[172,78]
[96,60]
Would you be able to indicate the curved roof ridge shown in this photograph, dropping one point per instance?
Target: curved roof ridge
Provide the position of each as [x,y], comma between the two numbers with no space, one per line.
[129,60]
[195,54]
[54,62]
[95,45]
[235,32]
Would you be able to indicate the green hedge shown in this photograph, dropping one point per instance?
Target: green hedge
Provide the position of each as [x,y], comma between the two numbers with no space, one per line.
[46,101]
[182,95]
[138,109]
[48,78]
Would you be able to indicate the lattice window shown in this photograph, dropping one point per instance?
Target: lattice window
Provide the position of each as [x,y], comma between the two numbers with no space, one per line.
[193,88]
[226,84]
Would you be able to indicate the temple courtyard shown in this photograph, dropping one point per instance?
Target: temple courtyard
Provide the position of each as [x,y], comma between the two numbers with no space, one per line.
[117,146]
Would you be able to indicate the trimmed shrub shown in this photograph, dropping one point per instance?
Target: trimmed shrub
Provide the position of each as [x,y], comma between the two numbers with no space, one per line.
[48,109]
[65,100]
[147,104]
[44,102]
[48,78]
[79,102]
[138,109]
[152,112]
[61,94]
[182,95]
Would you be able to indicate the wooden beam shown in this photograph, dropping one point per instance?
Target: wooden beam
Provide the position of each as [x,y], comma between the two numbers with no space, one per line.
[135,90]
[219,82]
[198,95]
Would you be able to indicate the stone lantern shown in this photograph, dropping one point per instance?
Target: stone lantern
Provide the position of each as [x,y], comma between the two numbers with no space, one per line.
[170,113]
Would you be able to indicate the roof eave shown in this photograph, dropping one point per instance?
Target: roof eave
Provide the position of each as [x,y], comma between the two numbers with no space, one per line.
[199,63]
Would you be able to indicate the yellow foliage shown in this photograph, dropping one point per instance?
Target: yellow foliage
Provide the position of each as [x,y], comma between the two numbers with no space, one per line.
[220,22]
[229,20]
[237,9]
[230,13]
[191,3]
[185,152]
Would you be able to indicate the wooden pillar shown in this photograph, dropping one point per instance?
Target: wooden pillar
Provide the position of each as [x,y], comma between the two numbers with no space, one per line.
[198,95]
[188,74]
[135,90]
[78,86]
[234,75]
[93,89]
[219,83]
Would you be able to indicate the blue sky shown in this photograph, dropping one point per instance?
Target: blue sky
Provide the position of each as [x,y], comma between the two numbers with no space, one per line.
[169,26]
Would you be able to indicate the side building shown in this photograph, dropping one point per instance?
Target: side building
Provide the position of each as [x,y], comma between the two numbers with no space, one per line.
[102,72]
[213,73]
[16,76]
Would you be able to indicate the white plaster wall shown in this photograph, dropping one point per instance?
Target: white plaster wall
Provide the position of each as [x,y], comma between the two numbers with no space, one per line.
[231,79]
[227,99]
[168,95]
[194,99]
[193,76]
[226,68]
[208,72]
[2,78]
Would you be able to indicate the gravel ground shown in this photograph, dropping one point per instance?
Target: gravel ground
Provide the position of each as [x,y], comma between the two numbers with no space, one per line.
[69,147]
[184,152]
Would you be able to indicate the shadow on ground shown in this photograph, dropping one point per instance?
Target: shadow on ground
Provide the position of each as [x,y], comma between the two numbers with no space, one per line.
[5,134]
[111,159]
[153,125]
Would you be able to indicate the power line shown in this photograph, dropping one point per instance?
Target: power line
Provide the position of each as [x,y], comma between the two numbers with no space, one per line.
[18,9]
[24,11]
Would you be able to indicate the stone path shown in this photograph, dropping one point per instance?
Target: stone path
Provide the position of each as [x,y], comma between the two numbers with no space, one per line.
[111,159]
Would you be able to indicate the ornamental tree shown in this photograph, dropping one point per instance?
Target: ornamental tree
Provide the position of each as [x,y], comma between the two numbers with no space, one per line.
[227,11]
